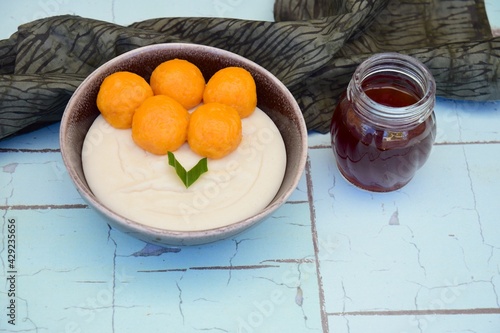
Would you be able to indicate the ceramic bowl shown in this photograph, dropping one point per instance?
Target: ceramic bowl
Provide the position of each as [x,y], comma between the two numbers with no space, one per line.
[273,98]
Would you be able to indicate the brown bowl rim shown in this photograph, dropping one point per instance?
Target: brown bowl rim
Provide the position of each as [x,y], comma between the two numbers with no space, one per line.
[166,236]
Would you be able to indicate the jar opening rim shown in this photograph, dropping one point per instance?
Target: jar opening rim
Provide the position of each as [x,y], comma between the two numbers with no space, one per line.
[405,68]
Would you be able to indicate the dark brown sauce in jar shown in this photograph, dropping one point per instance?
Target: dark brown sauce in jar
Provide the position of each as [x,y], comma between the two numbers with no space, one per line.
[384,126]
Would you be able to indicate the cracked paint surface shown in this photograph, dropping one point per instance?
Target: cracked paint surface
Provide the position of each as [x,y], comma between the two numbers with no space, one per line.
[332,259]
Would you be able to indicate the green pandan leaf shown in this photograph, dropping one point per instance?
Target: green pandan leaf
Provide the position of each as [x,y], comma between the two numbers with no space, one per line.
[188,177]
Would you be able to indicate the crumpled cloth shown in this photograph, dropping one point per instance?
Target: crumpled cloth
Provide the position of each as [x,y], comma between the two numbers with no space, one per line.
[313,47]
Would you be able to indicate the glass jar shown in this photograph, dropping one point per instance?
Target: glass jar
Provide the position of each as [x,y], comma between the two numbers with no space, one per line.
[384,126]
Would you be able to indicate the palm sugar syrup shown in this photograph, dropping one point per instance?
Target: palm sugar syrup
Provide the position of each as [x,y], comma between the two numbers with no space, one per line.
[384,126]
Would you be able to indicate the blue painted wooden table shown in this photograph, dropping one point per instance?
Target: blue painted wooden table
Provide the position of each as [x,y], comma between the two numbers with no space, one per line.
[333,259]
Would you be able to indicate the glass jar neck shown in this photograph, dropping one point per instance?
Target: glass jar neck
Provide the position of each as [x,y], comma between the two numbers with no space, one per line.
[392,90]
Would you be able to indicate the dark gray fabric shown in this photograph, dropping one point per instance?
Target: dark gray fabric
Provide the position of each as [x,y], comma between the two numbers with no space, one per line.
[313,47]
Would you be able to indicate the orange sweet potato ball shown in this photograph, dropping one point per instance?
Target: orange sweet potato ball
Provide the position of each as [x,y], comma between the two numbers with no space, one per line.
[214,130]
[119,95]
[179,79]
[160,125]
[235,87]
